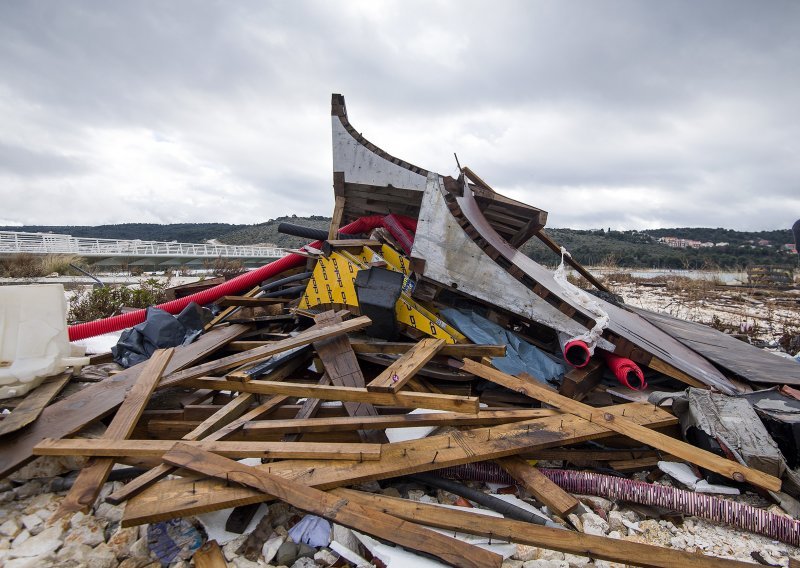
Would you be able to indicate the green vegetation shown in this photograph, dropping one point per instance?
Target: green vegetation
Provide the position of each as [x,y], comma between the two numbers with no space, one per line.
[95,303]
[628,249]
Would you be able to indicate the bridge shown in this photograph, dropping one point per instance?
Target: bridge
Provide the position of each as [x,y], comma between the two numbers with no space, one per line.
[118,252]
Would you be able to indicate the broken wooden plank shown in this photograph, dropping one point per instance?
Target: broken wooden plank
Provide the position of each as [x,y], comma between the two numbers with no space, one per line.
[483,418]
[398,373]
[209,556]
[604,548]
[335,509]
[228,311]
[33,404]
[398,348]
[231,361]
[453,403]
[532,388]
[577,382]
[67,416]
[111,448]
[206,430]
[90,480]
[336,218]
[557,500]
[180,497]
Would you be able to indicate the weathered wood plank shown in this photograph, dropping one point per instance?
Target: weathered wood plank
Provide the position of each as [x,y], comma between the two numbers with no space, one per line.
[451,403]
[231,361]
[90,480]
[614,550]
[398,373]
[33,404]
[335,509]
[483,418]
[556,499]
[110,448]
[398,348]
[692,454]
[204,430]
[177,497]
[94,402]
[209,556]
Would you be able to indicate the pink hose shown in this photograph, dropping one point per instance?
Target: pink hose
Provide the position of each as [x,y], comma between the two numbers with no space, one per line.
[242,282]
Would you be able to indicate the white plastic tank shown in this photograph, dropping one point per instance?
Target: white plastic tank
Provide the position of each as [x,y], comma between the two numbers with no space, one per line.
[34,343]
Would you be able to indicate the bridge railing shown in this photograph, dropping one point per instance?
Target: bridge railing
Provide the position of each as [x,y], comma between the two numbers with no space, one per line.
[12,242]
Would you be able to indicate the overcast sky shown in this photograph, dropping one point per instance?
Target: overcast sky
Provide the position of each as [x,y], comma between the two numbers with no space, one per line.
[606,114]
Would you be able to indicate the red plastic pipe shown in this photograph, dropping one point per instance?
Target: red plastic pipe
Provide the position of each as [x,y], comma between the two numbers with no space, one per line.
[577,353]
[627,372]
[242,282]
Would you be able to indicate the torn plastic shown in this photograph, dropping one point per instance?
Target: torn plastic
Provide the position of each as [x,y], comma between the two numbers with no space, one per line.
[683,473]
[159,330]
[311,530]
[575,351]
[585,301]
[173,540]
[520,357]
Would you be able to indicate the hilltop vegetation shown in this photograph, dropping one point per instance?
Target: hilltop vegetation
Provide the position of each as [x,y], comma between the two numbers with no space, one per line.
[634,249]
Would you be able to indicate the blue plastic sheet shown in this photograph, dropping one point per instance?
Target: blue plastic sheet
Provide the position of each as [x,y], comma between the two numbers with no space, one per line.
[520,357]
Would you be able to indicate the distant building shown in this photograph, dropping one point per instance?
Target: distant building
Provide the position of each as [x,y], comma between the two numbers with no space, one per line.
[721,244]
[763,243]
[675,242]
[791,247]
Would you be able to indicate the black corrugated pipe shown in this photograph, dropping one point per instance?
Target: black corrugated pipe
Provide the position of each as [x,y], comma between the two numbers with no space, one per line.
[286,292]
[288,280]
[493,503]
[304,232]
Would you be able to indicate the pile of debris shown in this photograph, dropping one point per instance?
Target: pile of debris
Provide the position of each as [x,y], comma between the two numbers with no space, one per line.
[409,388]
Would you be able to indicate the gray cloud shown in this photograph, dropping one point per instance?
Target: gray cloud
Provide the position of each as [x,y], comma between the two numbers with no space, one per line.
[620,113]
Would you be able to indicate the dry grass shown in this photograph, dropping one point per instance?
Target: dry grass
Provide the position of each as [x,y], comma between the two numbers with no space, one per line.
[35,266]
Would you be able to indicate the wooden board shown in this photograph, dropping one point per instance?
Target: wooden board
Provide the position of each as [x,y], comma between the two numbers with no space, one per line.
[531,387]
[398,348]
[33,404]
[180,497]
[335,509]
[231,361]
[67,416]
[102,447]
[209,556]
[398,373]
[204,430]
[452,403]
[604,548]
[556,499]
[87,486]
[436,419]
[736,356]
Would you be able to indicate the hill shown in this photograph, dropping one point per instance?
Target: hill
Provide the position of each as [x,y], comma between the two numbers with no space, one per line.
[634,249]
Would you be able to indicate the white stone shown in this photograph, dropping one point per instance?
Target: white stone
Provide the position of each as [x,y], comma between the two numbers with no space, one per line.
[345,537]
[78,553]
[548,554]
[47,541]
[324,557]
[242,562]
[103,557]
[304,562]
[86,530]
[140,549]
[509,563]
[541,563]
[614,534]
[32,523]
[10,528]
[416,494]
[47,560]
[616,521]
[576,561]
[121,541]
[112,513]
[229,548]
[271,546]
[594,524]
[21,537]
[525,552]
[5,543]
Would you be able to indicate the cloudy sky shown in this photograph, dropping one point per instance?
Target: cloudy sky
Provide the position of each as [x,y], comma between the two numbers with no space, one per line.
[606,114]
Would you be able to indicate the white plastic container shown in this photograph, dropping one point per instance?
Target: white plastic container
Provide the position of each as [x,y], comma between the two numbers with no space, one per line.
[33,337]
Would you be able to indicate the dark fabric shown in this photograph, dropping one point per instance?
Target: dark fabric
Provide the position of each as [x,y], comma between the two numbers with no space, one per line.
[158,331]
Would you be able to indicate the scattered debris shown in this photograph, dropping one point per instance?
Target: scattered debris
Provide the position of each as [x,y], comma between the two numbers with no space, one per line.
[408,388]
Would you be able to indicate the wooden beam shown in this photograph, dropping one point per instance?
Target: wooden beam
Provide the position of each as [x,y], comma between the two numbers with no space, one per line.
[577,382]
[33,404]
[600,547]
[90,480]
[336,219]
[150,477]
[74,412]
[532,388]
[181,497]
[228,311]
[335,509]
[231,361]
[556,499]
[451,403]
[398,373]
[456,350]
[102,447]
[483,418]
[556,248]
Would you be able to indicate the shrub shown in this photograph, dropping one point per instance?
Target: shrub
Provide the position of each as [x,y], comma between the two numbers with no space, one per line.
[27,265]
[95,303]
